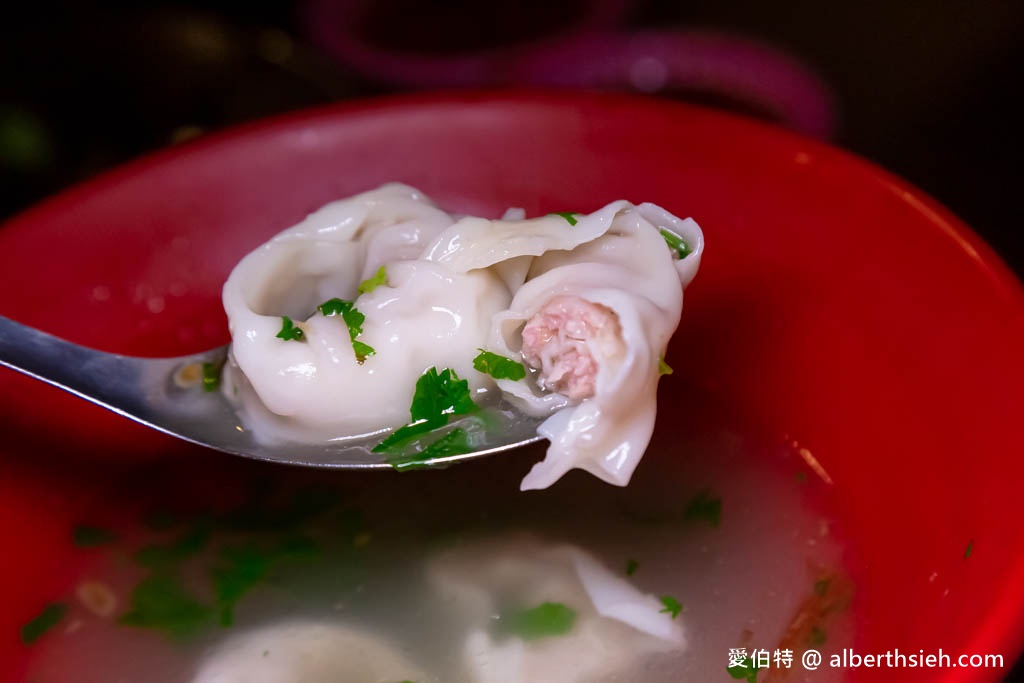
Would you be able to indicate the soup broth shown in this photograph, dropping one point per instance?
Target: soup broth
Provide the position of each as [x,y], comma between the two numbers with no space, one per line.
[729,526]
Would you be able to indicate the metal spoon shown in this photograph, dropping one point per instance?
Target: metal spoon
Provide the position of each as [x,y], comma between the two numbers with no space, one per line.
[146,390]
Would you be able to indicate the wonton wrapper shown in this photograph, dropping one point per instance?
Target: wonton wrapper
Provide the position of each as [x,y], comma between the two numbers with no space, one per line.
[454,286]
[306,652]
[615,257]
[616,626]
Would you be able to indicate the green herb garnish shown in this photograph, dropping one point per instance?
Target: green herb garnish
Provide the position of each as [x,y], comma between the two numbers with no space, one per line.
[290,331]
[362,351]
[86,536]
[969,549]
[631,567]
[569,216]
[240,568]
[817,636]
[671,606]
[746,669]
[43,622]
[353,320]
[499,367]
[162,602]
[438,396]
[373,282]
[821,587]
[675,243]
[543,621]
[455,442]
[187,545]
[704,507]
[211,375]
[663,367]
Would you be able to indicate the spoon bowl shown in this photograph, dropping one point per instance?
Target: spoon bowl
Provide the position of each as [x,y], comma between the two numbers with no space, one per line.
[153,392]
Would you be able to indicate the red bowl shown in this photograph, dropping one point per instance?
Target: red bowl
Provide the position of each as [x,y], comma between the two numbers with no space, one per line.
[836,303]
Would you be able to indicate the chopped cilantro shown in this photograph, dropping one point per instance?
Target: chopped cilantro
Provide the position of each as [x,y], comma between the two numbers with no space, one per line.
[362,351]
[746,669]
[969,549]
[663,367]
[353,320]
[704,506]
[675,243]
[437,397]
[499,367]
[290,331]
[43,622]
[241,567]
[454,442]
[544,620]
[631,567]
[334,307]
[801,476]
[162,602]
[188,544]
[569,216]
[373,282]
[86,536]
[671,606]
[211,375]
[821,587]
[817,636]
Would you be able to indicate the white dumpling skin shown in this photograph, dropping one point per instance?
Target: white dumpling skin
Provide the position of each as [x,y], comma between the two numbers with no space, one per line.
[425,315]
[615,627]
[303,651]
[587,302]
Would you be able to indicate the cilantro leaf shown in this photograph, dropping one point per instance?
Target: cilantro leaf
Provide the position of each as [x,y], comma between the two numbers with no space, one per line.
[187,545]
[162,602]
[663,367]
[499,367]
[373,282]
[363,351]
[631,567]
[354,320]
[240,568]
[969,549]
[675,243]
[211,375]
[438,396]
[43,622]
[671,606]
[454,442]
[543,621]
[289,331]
[569,216]
[746,669]
[704,506]
[86,536]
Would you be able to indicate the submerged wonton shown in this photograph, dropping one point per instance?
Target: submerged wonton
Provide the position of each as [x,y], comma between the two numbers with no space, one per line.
[306,652]
[335,320]
[598,624]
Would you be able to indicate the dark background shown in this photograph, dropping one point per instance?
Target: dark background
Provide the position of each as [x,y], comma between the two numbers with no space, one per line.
[928,89]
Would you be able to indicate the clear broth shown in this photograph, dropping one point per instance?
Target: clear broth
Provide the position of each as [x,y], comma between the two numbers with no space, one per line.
[361,542]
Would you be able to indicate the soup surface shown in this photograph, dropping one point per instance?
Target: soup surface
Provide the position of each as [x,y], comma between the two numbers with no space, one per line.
[266,573]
